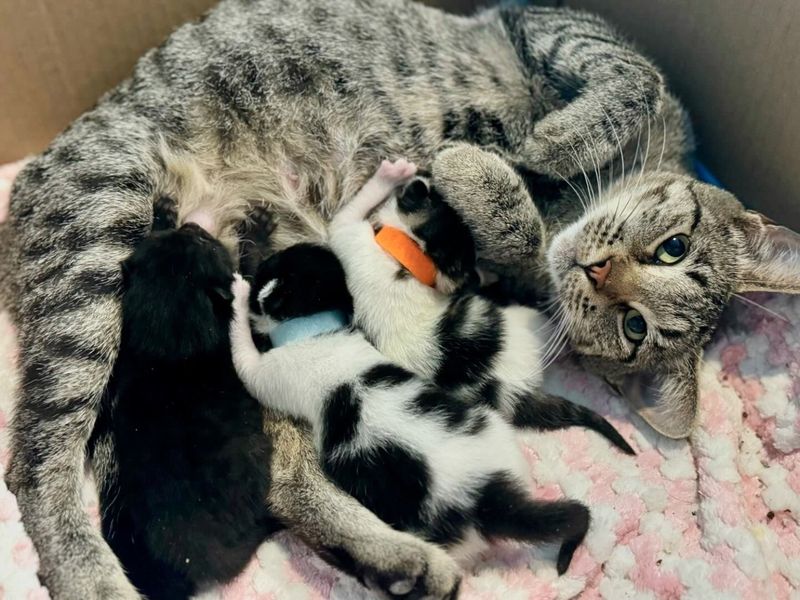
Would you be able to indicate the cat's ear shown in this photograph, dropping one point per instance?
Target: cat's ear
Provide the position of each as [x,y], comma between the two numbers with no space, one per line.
[667,401]
[772,263]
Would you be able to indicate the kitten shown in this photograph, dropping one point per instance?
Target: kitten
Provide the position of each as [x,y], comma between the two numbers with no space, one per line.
[187,507]
[464,343]
[421,459]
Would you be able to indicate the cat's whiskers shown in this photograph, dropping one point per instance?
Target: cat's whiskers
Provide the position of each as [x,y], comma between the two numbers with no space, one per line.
[581,197]
[642,167]
[590,190]
[663,141]
[558,341]
[595,162]
[769,311]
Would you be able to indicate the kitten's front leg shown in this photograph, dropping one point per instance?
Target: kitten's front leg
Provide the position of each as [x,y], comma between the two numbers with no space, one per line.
[250,364]
[388,176]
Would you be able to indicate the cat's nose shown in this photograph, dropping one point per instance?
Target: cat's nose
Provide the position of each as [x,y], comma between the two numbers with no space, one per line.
[598,272]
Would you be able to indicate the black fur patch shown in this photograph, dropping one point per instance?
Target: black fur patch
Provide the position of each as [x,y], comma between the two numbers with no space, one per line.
[390,481]
[448,240]
[467,358]
[342,416]
[448,527]
[505,510]
[489,394]
[310,279]
[436,402]
[386,374]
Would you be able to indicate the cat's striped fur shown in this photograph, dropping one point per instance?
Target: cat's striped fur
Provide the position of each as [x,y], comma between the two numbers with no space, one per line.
[291,104]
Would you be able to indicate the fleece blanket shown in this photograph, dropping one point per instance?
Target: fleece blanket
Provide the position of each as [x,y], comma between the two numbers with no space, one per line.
[712,517]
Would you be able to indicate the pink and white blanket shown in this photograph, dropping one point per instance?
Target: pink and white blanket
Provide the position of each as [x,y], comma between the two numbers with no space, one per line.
[714,517]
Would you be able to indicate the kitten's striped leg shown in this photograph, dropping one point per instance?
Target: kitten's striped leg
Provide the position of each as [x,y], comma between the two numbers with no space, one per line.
[611,90]
[74,226]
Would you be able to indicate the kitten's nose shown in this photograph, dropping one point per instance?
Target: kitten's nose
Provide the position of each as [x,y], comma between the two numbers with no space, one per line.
[598,272]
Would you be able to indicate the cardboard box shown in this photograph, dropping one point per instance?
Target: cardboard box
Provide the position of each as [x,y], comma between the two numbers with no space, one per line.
[736,63]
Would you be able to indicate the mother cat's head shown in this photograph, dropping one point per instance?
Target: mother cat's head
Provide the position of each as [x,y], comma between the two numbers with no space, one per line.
[643,277]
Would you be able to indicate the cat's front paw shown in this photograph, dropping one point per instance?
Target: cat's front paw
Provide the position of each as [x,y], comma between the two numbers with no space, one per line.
[403,566]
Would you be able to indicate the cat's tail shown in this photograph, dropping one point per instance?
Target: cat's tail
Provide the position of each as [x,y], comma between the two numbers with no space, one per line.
[546,412]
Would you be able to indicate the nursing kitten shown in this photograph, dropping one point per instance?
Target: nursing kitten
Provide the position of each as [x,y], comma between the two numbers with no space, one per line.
[421,459]
[187,507]
[464,343]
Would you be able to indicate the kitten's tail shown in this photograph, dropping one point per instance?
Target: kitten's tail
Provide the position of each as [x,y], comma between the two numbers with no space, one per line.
[548,413]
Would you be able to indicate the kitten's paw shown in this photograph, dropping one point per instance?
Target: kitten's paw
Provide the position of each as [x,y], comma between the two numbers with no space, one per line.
[241,292]
[165,213]
[409,568]
[394,173]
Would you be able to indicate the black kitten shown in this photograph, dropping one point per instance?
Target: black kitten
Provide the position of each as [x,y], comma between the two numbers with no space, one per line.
[188,506]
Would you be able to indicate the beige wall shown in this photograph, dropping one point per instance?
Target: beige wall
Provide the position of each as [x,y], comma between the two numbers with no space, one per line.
[736,64]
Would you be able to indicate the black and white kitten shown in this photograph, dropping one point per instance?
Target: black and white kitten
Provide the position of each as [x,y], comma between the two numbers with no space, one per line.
[421,459]
[463,342]
[187,506]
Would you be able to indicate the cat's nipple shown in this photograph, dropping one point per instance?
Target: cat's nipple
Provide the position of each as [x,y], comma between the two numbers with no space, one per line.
[599,272]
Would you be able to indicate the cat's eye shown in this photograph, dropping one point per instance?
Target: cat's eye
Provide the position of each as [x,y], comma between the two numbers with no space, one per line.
[672,250]
[634,326]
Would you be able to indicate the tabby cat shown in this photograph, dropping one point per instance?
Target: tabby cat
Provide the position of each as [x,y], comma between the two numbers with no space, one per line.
[292,104]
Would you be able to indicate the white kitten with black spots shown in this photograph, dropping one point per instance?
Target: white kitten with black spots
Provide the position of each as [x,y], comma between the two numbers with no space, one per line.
[421,459]
[465,343]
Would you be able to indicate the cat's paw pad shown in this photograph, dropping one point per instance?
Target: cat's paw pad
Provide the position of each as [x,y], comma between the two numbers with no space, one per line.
[396,172]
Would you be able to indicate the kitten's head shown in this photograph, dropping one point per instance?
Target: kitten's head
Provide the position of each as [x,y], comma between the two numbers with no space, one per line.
[420,211]
[177,300]
[643,277]
[302,280]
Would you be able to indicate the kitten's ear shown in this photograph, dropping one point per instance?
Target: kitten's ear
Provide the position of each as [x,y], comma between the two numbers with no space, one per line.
[772,263]
[668,402]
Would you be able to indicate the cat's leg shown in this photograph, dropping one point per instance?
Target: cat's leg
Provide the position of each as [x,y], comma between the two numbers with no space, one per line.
[344,531]
[610,91]
[73,225]
[505,511]
[494,202]
[547,413]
